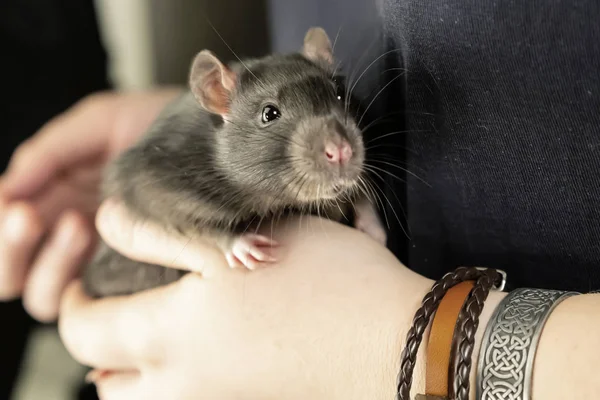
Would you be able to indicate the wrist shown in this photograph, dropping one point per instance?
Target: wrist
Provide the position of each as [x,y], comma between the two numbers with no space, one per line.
[413,301]
[390,339]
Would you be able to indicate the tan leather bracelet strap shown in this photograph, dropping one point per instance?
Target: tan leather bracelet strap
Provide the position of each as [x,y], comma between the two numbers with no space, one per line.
[440,339]
[486,279]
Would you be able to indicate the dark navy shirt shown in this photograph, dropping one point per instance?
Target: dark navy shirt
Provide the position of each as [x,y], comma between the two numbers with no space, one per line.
[499,104]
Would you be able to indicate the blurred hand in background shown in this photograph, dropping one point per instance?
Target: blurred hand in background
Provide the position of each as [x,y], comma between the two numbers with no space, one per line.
[49,193]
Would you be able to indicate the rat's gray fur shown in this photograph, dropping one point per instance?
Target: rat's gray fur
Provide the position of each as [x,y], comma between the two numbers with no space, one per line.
[198,174]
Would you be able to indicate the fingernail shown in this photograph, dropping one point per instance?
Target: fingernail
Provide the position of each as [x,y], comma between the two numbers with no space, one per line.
[95,375]
[13,226]
[67,237]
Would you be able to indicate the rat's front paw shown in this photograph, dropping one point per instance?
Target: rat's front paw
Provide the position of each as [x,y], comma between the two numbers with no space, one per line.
[251,251]
[367,221]
[372,228]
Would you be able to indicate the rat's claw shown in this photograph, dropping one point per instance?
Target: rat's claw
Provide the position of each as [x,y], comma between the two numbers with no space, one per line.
[252,251]
[261,240]
[232,260]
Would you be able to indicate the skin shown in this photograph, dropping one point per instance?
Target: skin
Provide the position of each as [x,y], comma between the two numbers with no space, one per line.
[339,317]
[322,311]
[325,323]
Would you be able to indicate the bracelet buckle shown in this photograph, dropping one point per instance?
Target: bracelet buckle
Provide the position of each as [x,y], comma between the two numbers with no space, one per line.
[429,397]
[500,286]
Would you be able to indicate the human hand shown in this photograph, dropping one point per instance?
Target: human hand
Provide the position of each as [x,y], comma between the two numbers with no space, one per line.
[49,193]
[327,322]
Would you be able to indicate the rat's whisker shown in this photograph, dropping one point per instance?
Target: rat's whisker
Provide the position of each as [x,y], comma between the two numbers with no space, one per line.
[394,160]
[347,94]
[379,201]
[358,63]
[395,133]
[404,71]
[385,146]
[380,118]
[387,135]
[373,169]
[395,214]
[377,95]
[337,203]
[370,65]
[400,168]
[388,201]
[333,49]
[318,204]
[249,224]
[362,189]
[233,52]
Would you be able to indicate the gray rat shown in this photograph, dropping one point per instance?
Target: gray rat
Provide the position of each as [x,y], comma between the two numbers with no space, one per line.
[246,143]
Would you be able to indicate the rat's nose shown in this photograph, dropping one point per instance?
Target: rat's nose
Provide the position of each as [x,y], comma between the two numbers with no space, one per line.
[338,153]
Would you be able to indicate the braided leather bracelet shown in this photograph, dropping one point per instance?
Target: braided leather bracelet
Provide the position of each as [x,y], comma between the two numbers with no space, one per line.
[423,316]
[466,328]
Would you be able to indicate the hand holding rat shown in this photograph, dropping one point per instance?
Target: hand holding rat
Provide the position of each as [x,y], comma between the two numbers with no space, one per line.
[48,195]
[327,323]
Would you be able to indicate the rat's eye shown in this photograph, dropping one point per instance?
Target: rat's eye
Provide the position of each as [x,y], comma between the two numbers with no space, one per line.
[340,89]
[270,113]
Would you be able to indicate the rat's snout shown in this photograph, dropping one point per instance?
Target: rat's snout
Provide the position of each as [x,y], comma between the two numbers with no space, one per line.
[338,153]
[330,156]
[337,149]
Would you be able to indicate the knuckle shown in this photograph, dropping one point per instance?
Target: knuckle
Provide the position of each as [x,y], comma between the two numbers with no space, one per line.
[23,152]
[8,290]
[94,101]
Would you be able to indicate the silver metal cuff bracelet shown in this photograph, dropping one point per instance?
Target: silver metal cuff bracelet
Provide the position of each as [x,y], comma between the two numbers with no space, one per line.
[510,341]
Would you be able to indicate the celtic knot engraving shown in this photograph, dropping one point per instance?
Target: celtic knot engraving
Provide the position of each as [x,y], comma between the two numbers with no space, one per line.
[509,346]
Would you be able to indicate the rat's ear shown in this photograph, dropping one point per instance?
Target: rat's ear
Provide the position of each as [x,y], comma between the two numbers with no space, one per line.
[211,82]
[317,46]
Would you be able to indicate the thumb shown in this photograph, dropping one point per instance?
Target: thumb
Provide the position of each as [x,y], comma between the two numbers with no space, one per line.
[147,242]
[78,135]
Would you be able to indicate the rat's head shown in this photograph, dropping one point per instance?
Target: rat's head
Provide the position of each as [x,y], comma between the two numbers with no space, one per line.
[287,134]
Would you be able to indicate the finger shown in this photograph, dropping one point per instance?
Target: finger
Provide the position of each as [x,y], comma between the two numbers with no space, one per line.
[20,233]
[147,242]
[58,262]
[62,196]
[120,386]
[115,332]
[56,146]
[110,123]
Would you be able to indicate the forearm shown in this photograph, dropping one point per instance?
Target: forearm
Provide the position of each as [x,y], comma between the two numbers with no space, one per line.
[566,361]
